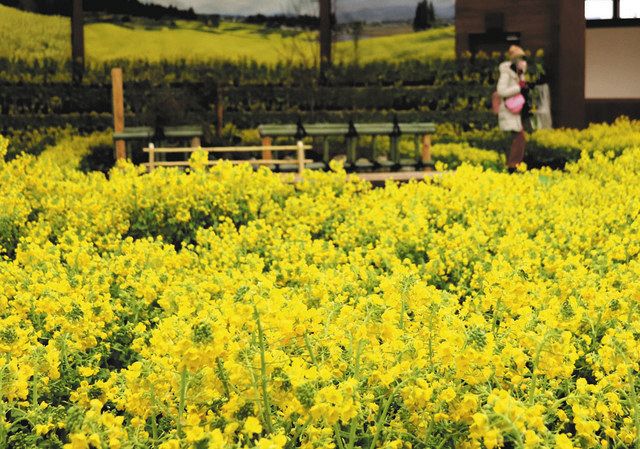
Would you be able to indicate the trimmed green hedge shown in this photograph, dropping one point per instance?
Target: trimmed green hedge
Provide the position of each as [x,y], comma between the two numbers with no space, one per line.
[33,140]
[40,94]
[65,99]
[86,122]
[478,71]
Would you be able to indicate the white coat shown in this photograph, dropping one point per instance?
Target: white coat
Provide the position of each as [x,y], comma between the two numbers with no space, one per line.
[508,86]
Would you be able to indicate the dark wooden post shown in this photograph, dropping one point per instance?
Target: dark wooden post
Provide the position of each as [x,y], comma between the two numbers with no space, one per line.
[118,110]
[325,35]
[77,41]
[219,112]
[570,64]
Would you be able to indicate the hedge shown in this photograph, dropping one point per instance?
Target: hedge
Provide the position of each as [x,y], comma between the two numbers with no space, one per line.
[39,93]
[480,71]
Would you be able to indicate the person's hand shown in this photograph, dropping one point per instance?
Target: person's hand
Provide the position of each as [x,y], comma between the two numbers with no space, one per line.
[523,66]
[524,88]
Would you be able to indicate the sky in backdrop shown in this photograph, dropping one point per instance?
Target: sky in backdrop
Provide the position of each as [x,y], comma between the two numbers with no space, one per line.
[369,9]
[244,7]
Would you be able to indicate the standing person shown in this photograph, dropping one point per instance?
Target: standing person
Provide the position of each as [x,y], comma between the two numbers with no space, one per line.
[512,89]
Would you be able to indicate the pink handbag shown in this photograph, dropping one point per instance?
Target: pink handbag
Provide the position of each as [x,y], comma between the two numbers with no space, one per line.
[515,104]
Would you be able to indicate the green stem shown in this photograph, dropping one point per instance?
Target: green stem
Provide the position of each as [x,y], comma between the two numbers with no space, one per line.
[336,431]
[15,422]
[511,426]
[298,433]
[223,377]
[154,424]
[356,374]
[154,429]
[307,344]
[496,316]
[632,393]
[34,395]
[263,372]
[560,401]
[636,407]
[431,340]
[534,376]
[383,416]
[182,399]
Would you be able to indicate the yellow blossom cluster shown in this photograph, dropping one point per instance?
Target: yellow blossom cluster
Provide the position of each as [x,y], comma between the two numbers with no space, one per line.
[226,308]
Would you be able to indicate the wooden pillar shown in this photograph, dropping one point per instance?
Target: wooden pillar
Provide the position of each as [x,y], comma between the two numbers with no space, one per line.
[77,42]
[301,157]
[266,152]
[152,157]
[462,37]
[426,149]
[118,110]
[570,64]
[325,35]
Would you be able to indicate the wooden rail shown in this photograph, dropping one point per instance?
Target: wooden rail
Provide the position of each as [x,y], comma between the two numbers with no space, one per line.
[299,148]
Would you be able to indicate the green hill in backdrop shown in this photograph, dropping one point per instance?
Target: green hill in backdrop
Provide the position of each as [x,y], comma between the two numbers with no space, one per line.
[34,36]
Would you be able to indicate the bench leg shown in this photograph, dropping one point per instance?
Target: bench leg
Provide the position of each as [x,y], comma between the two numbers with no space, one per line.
[394,153]
[325,150]
[426,150]
[373,147]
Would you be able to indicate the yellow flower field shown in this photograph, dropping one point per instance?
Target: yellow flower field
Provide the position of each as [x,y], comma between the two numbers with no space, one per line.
[225,308]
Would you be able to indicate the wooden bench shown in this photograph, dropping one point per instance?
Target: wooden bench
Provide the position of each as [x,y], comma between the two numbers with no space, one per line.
[351,132]
[173,135]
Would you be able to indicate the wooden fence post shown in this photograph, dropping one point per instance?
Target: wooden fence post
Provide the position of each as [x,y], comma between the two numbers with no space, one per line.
[266,152]
[152,156]
[300,157]
[426,149]
[118,110]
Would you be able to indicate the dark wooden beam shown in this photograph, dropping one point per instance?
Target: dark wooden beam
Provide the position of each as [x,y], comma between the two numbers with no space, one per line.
[325,34]
[570,64]
[613,23]
[77,41]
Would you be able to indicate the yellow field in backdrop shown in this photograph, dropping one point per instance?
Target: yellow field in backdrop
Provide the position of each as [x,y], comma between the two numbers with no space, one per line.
[27,35]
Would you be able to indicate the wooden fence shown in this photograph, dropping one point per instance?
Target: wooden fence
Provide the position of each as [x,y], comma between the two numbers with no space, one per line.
[300,161]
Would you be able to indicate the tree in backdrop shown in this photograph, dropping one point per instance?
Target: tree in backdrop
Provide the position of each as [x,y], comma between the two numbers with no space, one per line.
[129,7]
[356,29]
[425,16]
[326,35]
[302,47]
